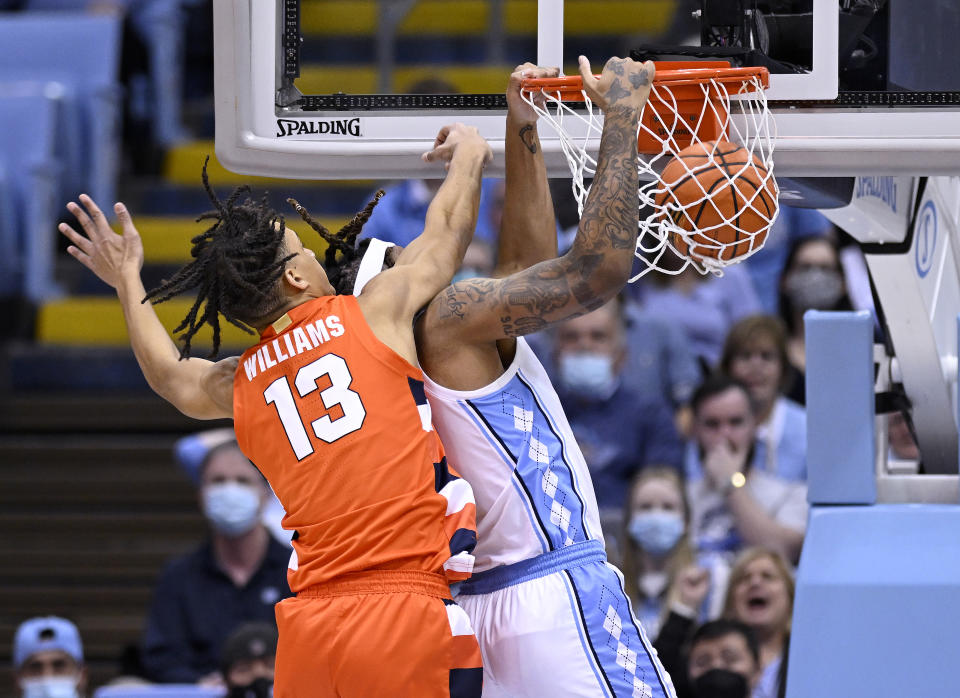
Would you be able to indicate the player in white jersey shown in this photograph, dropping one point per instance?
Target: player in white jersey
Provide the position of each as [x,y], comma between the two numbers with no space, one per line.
[550,613]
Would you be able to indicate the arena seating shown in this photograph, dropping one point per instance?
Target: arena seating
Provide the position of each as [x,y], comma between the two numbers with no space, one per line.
[92,506]
[28,192]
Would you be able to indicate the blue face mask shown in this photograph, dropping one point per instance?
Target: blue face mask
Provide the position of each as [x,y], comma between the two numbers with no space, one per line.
[657,532]
[589,375]
[232,508]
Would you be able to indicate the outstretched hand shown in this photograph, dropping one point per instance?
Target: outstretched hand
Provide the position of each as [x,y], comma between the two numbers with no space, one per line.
[623,83]
[453,137]
[517,107]
[102,251]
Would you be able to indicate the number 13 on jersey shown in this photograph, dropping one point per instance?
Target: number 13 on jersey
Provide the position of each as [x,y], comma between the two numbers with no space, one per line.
[328,430]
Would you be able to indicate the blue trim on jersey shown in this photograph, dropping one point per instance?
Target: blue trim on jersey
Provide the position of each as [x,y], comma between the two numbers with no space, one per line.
[564,448]
[497,413]
[498,578]
[538,528]
[598,587]
[665,683]
[577,613]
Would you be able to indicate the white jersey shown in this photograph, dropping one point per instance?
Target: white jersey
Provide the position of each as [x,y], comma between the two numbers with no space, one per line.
[511,441]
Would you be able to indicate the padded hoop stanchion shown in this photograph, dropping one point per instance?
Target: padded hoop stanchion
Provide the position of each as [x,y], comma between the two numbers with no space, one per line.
[690,104]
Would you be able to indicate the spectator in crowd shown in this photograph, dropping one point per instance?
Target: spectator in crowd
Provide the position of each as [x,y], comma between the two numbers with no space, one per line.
[733,499]
[760,595]
[812,280]
[755,353]
[248,659]
[661,362]
[724,661]
[236,576]
[704,307]
[660,567]
[191,452]
[766,265]
[48,659]
[619,428]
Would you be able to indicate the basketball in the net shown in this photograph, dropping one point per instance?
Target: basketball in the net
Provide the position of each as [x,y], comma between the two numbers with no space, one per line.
[721,195]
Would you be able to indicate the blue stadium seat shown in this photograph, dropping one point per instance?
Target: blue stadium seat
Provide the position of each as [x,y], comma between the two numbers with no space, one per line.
[159,691]
[27,155]
[9,285]
[160,25]
[81,53]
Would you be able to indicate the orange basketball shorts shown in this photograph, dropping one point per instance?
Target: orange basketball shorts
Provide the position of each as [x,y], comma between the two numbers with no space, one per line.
[376,633]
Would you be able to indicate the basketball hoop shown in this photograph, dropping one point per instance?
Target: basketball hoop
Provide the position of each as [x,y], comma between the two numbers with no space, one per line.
[698,108]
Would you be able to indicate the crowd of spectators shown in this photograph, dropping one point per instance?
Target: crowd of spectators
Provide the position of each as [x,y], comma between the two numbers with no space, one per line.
[686,396]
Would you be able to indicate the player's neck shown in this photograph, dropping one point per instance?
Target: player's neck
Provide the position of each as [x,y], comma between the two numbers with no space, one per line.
[291,303]
[240,557]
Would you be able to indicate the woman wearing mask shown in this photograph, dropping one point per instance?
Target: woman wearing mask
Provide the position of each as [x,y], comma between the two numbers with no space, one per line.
[755,353]
[661,572]
[812,279]
[760,595]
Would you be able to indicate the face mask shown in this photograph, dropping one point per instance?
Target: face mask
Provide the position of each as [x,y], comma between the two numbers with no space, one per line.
[50,687]
[720,683]
[589,375]
[260,688]
[657,532]
[814,289]
[232,508]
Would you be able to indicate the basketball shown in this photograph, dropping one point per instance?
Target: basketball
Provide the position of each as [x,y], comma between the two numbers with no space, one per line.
[722,195]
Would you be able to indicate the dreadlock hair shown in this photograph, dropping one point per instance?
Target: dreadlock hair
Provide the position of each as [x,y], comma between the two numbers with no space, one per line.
[235,268]
[342,271]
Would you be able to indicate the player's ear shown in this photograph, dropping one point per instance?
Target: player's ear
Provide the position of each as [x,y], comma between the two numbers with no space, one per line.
[294,280]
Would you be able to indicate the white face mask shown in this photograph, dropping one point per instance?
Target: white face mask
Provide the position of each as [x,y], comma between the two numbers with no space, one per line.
[232,508]
[589,375]
[50,687]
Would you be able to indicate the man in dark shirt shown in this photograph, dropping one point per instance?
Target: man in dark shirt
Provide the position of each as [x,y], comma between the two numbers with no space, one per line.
[235,577]
[619,427]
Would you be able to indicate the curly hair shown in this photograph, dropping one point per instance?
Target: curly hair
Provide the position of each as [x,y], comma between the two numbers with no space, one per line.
[237,263]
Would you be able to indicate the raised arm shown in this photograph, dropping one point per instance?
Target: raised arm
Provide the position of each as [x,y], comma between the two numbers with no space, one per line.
[528,228]
[428,263]
[599,262]
[198,388]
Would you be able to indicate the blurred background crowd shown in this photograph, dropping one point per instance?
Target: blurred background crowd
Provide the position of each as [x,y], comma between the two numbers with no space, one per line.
[138,554]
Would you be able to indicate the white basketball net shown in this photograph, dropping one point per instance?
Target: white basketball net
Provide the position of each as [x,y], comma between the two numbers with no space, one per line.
[750,125]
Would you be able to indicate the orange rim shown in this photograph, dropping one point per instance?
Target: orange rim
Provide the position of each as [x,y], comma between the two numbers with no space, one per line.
[668,75]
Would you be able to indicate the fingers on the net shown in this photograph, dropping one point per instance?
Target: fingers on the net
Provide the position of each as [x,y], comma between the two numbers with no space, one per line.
[584,65]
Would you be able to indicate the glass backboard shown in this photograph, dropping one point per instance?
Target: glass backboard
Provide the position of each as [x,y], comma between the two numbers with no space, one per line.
[321,89]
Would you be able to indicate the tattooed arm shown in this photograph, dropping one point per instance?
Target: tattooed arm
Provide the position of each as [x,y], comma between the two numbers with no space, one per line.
[528,230]
[598,263]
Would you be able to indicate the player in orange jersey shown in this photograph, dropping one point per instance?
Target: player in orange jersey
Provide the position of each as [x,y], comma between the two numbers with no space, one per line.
[330,406]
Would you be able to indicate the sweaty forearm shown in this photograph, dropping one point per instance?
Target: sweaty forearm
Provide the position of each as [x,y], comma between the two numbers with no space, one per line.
[152,345]
[607,235]
[528,233]
[452,215]
[184,384]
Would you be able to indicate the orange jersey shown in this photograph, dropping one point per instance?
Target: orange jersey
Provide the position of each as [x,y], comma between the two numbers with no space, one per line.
[339,424]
